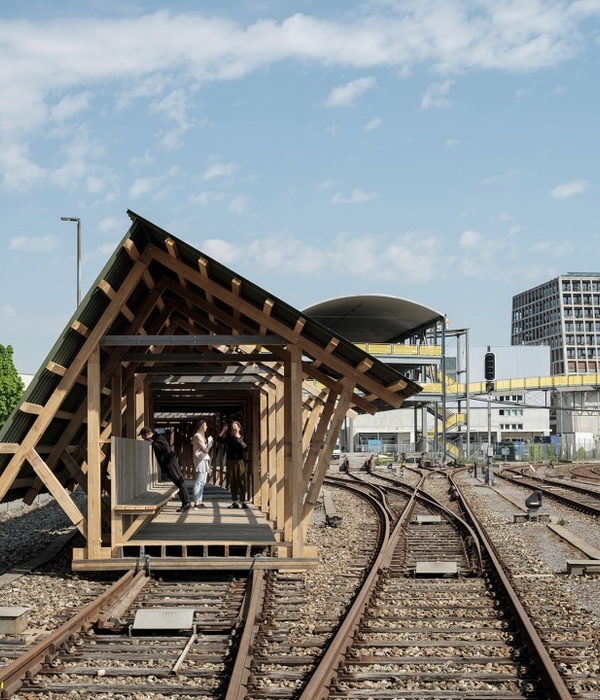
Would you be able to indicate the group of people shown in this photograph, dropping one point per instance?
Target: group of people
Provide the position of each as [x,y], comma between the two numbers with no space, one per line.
[234,444]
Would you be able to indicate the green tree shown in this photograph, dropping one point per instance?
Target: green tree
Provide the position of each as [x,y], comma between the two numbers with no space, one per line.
[11,385]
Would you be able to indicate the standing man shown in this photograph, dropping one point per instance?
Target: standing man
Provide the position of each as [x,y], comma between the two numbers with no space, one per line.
[168,463]
[234,460]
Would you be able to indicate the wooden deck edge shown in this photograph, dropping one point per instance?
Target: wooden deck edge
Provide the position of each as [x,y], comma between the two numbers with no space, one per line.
[197,564]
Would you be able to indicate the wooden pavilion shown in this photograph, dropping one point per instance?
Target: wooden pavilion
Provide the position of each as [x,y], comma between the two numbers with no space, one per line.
[166,333]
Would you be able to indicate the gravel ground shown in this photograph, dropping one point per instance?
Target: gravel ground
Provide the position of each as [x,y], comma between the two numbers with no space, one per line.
[536,549]
[536,554]
[26,531]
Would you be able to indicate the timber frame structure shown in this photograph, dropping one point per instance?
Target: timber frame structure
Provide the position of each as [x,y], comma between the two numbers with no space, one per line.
[165,324]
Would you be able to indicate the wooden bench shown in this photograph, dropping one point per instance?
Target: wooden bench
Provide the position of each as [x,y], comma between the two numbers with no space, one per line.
[137,494]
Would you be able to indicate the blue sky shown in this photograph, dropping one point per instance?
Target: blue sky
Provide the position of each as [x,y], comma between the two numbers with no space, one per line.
[443,151]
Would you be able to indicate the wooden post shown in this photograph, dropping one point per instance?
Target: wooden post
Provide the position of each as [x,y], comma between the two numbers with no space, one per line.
[262,493]
[316,482]
[116,400]
[94,531]
[140,404]
[256,482]
[129,415]
[293,451]
[279,459]
[272,452]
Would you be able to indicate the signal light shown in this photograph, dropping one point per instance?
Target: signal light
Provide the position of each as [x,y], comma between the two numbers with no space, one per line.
[489,366]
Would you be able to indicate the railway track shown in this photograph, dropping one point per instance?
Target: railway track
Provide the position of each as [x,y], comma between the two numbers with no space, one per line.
[585,500]
[451,628]
[143,635]
[424,610]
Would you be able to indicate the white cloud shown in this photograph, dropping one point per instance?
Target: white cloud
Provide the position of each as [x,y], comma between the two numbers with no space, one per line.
[569,189]
[415,257]
[219,170]
[358,196]
[469,239]
[436,95]
[345,95]
[19,171]
[142,161]
[221,250]
[80,153]
[110,225]
[238,205]
[285,254]
[174,107]
[514,172]
[205,198]
[373,124]
[35,244]
[58,65]
[326,185]
[552,249]
[451,143]
[144,185]
[70,105]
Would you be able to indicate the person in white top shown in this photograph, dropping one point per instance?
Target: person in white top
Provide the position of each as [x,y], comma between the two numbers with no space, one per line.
[201,448]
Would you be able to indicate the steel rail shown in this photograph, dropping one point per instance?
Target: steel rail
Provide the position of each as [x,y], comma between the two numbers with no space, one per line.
[549,491]
[428,500]
[14,674]
[549,675]
[317,687]
[237,687]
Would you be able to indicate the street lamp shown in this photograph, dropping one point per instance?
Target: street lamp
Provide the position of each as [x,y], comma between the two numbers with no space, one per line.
[78,220]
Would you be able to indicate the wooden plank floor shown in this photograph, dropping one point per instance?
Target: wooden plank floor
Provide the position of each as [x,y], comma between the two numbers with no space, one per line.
[215,524]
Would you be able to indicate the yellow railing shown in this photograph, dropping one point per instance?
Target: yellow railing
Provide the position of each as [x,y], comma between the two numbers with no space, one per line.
[407,350]
[505,385]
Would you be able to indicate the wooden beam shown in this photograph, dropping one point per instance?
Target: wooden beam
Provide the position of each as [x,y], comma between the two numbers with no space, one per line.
[69,378]
[227,319]
[318,476]
[131,249]
[293,531]
[267,308]
[309,347]
[330,347]
[8,448]
[336,386]
[116,402]
[191,340]
[78,327]
[55,368]
[319,437]
[75,471]
[173,358]
[54,486]
[94,534]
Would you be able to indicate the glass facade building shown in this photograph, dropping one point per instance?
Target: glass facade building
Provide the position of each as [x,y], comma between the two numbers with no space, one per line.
[564,314]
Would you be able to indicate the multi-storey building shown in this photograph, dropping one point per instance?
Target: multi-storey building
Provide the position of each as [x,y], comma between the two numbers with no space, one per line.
[564,314]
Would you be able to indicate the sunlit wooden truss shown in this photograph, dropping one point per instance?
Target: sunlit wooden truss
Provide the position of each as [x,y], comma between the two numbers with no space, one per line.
[162,317]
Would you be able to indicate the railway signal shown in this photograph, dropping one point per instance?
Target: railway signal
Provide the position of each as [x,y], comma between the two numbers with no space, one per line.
[489,366]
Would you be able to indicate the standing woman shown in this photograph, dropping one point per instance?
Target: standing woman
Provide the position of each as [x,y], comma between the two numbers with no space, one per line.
[201,447]
[234,460]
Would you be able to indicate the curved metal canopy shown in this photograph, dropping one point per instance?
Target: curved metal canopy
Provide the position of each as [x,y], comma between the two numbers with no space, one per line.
[374,318]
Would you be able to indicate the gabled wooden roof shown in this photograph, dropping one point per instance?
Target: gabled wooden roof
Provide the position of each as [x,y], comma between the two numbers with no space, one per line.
[157,295]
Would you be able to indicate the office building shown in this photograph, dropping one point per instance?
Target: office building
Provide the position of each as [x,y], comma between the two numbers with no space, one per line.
[563,313]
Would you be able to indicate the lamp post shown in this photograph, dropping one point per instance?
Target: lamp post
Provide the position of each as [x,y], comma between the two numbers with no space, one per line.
[78,220]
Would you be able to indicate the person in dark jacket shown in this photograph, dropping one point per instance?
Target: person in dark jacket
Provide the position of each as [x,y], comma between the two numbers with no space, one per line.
[231,437]
[168,463]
